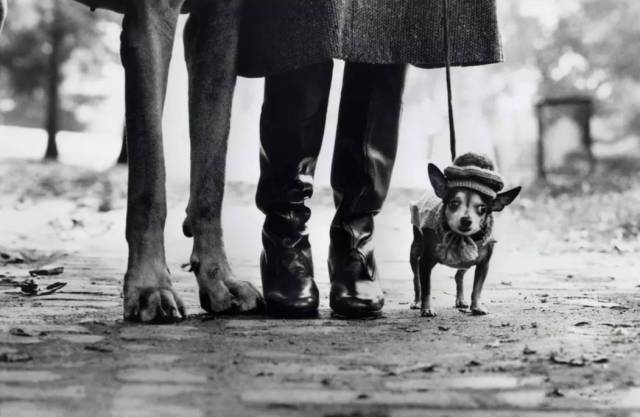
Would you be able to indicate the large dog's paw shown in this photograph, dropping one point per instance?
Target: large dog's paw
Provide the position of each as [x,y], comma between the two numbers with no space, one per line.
[152,304]
[479,310]
[215,297]
[415,305]
[460,303]
[247,299]
[221,293]
[428,312]
[230,297]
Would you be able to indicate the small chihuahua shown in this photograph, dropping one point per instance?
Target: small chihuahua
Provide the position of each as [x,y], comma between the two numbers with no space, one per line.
[454,227]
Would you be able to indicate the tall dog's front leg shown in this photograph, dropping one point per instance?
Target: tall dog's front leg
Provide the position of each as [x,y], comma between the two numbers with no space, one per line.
[482,269]
[3,12]
[147,39]
[211,39]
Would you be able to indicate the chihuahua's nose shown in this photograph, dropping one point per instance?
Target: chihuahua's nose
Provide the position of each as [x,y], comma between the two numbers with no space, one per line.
[465,222]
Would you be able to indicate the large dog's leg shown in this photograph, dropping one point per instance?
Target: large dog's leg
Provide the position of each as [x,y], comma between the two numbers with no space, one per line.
[3,12]
[211,39]
[147,39]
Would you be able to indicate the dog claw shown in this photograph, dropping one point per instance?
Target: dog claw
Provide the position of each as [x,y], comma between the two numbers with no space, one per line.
[415,306]
[428,313]
[479,311]
[461,304]
[153,305]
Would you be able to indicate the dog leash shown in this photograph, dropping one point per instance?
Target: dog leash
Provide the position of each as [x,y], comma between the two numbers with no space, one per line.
[447,49]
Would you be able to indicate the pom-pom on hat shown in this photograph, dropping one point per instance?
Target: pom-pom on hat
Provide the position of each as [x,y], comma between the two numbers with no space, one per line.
[475,172]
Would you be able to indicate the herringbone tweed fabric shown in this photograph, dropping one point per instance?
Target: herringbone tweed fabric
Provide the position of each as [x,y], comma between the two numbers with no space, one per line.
[280,35]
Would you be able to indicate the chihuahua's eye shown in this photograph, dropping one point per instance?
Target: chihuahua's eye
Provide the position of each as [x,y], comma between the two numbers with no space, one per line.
[482,210]
[454,204]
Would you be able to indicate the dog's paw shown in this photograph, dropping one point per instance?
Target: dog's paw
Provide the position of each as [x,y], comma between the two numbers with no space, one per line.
[246,298]
[428,313]
[415,305]
[153,305]
[215,297]
[230,297]
[479,311]
[461,304]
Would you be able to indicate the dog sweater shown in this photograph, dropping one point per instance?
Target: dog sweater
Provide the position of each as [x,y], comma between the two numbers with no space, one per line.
[452,249]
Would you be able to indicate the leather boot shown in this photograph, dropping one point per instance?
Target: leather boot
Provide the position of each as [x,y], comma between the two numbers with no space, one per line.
[364,155]
[291,131]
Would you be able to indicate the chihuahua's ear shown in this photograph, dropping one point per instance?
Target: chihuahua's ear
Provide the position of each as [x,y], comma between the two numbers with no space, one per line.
[504,199]
[438,181]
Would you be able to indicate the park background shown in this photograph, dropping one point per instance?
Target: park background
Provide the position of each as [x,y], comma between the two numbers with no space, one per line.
[552,49]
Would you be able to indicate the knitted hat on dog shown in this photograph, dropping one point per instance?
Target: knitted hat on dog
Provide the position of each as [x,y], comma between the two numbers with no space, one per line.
[475,172]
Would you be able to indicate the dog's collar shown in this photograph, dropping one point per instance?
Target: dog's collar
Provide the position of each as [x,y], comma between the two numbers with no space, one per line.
[460,251]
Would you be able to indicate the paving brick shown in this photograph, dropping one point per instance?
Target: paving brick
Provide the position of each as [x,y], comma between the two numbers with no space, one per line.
[171,376]
[495,413]
[14,392]
[174,332]
[475,382]
[287,368]
[30,409]
[79,338]
[293,397]
[20,376]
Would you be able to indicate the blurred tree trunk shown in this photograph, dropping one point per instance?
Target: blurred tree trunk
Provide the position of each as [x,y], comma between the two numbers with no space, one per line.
[123,159]
[53,89]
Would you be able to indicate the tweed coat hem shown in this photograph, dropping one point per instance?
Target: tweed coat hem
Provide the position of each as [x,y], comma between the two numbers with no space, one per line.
[282,35]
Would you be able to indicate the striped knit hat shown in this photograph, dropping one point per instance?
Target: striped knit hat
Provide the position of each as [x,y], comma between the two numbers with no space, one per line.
[475,172]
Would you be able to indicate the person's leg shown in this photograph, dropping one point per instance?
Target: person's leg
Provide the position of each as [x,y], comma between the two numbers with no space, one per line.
[364,155]
[291,131]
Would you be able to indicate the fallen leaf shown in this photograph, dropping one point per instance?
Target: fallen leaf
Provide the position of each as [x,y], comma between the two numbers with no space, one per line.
[421,367]
[528,351]
[47,271]
[50,289]
[410,329]
[100,347]
[573,362]
[16,331]
[15,357]
[556,393]
[444,328]
[582,324]
[29,286]
[9,281]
